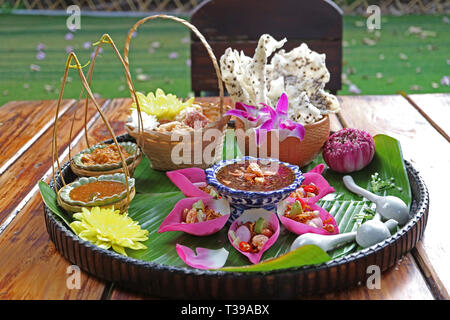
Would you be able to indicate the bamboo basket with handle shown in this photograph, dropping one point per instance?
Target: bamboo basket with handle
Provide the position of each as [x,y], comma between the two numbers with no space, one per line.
[131,166]
[183,149]
[127,169]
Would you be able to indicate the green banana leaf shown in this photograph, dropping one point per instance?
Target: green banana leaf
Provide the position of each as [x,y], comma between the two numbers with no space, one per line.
[302,256]
[156,196]
[49,197]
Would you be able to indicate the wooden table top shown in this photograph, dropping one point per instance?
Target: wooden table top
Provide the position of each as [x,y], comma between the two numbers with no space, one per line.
[31,268]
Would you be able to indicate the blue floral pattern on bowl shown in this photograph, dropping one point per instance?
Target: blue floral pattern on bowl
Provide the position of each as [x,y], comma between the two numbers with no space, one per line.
[241,200]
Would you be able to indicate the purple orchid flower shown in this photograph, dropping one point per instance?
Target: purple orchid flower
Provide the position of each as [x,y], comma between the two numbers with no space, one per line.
[279,120]
[250,115]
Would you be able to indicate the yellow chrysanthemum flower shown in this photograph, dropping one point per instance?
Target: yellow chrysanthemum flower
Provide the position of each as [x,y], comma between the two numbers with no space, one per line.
[162,106]
[107,228]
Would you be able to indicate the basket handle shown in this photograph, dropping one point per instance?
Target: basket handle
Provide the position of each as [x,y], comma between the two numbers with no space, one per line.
[105,39]
[126,49]
[72,56]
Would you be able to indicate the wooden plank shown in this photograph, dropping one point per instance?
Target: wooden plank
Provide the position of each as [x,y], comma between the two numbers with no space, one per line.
[435,108]
[26,171]
[404,281]
[22,123]
[31,266]
[429,153]
[436,286]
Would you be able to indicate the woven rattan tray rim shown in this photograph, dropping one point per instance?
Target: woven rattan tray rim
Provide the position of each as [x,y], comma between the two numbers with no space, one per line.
[421,213]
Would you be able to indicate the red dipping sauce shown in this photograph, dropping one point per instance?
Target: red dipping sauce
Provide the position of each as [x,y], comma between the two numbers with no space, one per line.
[255,176]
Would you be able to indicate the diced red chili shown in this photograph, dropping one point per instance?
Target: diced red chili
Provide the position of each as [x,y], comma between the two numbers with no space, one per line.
[245,246]
[329,228]
[327,220]
[303,204]
[311,189]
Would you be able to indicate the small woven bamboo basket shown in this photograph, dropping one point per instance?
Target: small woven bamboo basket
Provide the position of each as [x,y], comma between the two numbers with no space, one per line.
[172,150]
[127,169]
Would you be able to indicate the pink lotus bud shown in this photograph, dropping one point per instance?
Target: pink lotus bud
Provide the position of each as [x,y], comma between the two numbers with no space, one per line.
[348,150]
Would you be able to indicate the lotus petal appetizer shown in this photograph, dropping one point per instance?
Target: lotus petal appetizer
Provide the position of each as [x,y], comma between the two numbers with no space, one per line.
[203,258]
[255,231]
[104,158]
[199,216]
[192,182]
[314,187]
[299,218]
[103,191]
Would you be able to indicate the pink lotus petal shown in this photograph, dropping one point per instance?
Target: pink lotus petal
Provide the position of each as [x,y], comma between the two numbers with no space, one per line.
[317,169]
[185,180]
[253,215]
[315,176]
[203,258]
[320,182]
[173,221]
[301,228]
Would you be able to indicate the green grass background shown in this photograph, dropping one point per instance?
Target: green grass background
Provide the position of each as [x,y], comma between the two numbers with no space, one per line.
[427,58]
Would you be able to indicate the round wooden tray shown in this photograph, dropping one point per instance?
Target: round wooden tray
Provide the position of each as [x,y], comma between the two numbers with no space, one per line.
[183,282]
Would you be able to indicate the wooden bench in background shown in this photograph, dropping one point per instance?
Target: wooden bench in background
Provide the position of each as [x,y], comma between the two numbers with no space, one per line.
[239,24]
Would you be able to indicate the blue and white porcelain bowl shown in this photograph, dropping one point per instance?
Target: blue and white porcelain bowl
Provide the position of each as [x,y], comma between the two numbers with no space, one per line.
[242,200]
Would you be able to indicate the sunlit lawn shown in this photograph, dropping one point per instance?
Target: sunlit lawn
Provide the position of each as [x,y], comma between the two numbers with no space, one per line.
[381,62]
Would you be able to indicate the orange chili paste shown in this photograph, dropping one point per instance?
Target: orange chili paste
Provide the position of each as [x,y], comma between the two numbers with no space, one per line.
[96,190]
[107,155]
